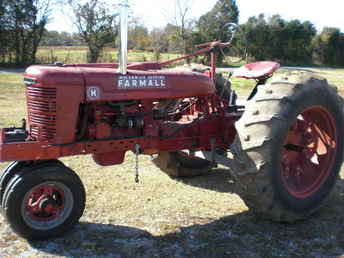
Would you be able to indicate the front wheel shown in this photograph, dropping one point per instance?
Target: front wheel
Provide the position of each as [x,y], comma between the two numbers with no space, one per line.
[9,172]
[289,147]
[43,201]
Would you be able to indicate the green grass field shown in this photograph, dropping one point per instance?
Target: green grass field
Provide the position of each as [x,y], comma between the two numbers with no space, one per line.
[161,217]
[78,55]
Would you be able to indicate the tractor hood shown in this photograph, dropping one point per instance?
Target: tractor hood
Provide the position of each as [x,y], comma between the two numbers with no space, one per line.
[103,82]
[107,84]
[52,76]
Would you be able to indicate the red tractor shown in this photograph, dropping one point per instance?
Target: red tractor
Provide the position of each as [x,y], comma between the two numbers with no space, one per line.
[284,147]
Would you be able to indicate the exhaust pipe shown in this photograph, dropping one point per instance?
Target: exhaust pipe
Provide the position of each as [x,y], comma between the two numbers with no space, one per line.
[123,54]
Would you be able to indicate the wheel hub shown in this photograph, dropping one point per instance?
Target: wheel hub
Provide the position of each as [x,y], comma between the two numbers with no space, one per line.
[45,203]
[48,205]
[309,152]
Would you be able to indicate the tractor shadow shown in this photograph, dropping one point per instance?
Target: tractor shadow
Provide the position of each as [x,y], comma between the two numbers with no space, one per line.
[237,235]
[219,180]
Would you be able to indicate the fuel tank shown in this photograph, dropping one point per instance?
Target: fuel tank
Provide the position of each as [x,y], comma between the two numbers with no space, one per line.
[105,84]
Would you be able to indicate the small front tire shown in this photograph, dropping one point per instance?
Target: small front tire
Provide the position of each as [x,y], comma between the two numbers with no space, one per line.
[44,201]
[9,172]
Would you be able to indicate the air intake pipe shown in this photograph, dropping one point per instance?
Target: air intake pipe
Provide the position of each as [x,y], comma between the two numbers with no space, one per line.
[123,50]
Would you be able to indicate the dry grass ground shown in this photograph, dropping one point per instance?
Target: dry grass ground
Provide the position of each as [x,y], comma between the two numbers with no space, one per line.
[161,217]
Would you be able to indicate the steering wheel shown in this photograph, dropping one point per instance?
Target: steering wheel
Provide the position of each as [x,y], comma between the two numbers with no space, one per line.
[237,44]
[231,29]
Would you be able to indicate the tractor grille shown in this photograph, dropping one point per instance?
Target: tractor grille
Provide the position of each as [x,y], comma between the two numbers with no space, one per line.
[42,112]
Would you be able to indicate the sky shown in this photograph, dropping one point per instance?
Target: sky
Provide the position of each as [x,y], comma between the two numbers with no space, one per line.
[154,13]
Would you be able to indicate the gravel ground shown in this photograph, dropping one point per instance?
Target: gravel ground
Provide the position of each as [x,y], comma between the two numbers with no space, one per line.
[236,234]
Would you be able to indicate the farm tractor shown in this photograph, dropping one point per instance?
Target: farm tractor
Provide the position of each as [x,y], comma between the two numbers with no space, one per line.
[283,146]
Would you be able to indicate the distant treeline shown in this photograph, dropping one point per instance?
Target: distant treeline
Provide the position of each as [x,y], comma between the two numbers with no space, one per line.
[293,42]
[289,42]
[55,38]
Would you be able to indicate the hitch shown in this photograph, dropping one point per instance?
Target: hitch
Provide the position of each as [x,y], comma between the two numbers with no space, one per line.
[212,156]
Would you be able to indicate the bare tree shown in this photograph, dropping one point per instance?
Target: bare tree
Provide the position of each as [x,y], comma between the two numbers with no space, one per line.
[180,17]
[97,24]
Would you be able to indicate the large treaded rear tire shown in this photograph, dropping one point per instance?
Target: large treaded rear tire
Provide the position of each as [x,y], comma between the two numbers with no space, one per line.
[260,142]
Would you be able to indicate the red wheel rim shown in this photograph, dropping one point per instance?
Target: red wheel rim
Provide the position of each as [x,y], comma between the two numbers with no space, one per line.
[309,152]
[45,202]
[47,205]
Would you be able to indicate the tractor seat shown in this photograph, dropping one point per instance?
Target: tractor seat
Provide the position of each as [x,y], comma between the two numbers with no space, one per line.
[256,70]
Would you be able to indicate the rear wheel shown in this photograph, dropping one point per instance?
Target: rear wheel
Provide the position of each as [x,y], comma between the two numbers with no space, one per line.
[289,147]
[224,89]
[43,201]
